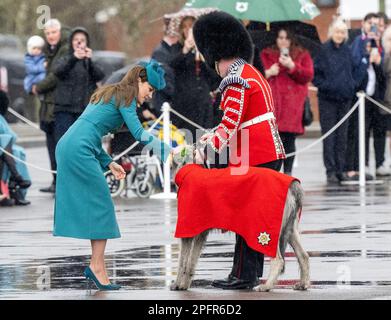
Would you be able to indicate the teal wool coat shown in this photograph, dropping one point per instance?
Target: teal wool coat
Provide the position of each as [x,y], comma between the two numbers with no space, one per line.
[83,205]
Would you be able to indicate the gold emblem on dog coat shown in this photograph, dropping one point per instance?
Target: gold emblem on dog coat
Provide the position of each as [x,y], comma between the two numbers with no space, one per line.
[264,238]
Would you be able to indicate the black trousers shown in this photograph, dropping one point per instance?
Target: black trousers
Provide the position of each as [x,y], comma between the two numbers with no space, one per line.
[374,122]
[48,128]
[64,120]
[334,146]
[248,263]
[289,141]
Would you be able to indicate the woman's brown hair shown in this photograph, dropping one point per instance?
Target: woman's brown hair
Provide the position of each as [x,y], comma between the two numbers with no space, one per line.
[295,47]
[124,91]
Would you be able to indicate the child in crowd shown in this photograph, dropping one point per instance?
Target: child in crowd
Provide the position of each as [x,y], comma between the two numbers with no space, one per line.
[34,62]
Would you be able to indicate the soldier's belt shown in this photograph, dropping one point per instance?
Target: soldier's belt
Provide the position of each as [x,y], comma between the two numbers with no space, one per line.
[259,119]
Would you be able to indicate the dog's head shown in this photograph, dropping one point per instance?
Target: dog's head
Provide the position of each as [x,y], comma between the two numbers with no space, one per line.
[185,154]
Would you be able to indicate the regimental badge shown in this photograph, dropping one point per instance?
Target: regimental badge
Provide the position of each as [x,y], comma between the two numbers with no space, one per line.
[264,238]
[241,7]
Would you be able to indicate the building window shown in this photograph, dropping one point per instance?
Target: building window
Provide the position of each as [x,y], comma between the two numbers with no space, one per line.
[326,3]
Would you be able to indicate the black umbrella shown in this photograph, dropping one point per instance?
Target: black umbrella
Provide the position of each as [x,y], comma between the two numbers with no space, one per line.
[306,35]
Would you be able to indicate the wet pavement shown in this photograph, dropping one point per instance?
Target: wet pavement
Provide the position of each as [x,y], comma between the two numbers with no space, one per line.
[347,233]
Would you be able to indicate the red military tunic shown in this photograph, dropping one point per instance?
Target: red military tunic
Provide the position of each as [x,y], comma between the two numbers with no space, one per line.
[246,96]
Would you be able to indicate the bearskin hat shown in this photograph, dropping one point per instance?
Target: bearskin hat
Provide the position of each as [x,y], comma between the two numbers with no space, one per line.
[218,35]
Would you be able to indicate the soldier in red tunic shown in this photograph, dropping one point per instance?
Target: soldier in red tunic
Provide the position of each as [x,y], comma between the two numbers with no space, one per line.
[248,109]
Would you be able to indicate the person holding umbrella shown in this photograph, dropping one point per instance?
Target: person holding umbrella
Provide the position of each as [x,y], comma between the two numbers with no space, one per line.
[288,69]
[248,111]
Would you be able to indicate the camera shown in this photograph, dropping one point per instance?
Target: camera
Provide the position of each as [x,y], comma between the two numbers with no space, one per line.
[374,28]
[285,52]
[79,46]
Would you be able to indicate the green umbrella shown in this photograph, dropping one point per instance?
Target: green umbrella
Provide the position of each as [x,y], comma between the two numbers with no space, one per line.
[261,10]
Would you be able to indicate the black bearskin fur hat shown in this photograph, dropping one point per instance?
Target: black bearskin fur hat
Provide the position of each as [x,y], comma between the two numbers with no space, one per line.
[218,35]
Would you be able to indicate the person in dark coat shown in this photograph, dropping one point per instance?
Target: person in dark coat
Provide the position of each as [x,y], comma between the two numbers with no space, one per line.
[164,53]
[56,46]
[336,89]
[194,84]
[77,78]
[367,59]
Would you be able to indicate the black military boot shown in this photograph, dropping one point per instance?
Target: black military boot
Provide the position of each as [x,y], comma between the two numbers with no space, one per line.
[246,268]
[16,195]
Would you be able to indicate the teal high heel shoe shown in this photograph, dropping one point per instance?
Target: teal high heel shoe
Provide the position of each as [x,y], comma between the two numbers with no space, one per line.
[90,277]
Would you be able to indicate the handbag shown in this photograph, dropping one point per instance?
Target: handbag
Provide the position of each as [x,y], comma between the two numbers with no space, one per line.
[308,116]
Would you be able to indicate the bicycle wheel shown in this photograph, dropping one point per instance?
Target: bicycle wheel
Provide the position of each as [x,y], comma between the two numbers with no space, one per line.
[116,186]
[147,191]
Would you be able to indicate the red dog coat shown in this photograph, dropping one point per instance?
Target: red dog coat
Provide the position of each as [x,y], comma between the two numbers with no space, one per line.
[250,205]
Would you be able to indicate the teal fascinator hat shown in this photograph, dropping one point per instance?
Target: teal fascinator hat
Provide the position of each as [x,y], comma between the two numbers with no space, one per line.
[155,74]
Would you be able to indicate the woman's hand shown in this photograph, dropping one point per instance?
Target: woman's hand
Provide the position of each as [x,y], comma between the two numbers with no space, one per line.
[189,43]
[117,170]
[80,53]
[88,53]
[287,62]
[274,70]
[34,90]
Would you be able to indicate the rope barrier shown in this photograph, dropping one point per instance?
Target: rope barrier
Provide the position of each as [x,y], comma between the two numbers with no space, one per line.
[137,142]
[188,120]
[348,114]
[378,104]
[54,172]
[340,122]
[26,163]
[18,115]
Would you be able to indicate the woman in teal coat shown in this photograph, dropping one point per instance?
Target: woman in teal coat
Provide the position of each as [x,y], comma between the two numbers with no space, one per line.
[83,206]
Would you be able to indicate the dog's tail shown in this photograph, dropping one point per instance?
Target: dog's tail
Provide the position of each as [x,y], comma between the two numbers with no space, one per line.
[294,204]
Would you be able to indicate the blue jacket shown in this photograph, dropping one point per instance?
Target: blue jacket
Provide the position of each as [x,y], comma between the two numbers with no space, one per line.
[334,73]
[35,70]
[7,136]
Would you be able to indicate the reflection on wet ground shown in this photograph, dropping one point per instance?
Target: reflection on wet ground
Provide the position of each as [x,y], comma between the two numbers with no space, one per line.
[148,268]
[346,231]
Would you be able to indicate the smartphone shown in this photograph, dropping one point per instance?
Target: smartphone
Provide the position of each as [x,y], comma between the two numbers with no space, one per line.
[374,28]
[79,46]
[285,52]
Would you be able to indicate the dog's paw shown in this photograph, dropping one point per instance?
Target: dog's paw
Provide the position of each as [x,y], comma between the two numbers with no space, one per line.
[301,286]
[262,288]
[176,287]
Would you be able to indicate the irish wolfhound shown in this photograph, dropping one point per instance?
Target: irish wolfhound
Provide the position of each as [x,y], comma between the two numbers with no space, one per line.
[191,247]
